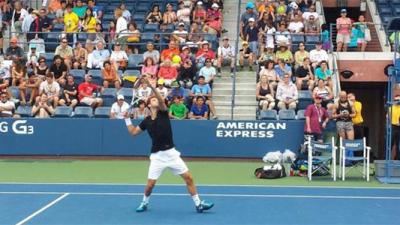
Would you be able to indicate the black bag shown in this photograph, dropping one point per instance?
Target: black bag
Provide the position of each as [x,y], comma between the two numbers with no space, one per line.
[272,173]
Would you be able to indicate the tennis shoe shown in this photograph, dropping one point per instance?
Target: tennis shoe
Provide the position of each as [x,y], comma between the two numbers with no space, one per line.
[142,207]
[204,205]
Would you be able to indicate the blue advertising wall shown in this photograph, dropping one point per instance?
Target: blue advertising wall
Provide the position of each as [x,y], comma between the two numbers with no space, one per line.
[104,137]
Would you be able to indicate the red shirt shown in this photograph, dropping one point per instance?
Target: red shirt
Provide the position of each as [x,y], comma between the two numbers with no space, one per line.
[167,73]
[317,116]
[169,53]
[210,54]
[86,88]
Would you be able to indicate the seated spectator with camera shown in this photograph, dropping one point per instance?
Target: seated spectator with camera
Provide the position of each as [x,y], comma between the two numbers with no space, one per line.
[87,91]
[287,94]
[7,107]
[69,95]
[42,108]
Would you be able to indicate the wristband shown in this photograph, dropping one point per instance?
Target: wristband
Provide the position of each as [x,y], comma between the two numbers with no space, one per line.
[128,122]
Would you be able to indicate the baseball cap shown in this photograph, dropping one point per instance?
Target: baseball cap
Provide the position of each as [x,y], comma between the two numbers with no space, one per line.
[181,24]
[250,5]
[33,46]
[225,38]
[185,47]
[160,81]
[252,19]
[174,84]
[120,97]
[199,3]
[14,40]
[214,5]
[343,11]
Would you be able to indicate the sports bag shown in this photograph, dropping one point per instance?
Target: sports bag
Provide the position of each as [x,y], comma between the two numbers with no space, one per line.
[270,172]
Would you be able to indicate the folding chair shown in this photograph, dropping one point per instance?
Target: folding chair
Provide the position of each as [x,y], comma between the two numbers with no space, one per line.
[322,162]
[349,147]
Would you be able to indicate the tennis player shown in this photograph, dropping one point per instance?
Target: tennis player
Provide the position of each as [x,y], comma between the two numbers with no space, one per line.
[163,152]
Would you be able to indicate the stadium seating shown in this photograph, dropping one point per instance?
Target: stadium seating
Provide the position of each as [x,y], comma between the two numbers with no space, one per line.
[268,115]
[24,111]
[102,112]
[300,114]
[97,77]
[109,96]
[83,112]
[79,75]
[287,114]
[63,112]
[127,93]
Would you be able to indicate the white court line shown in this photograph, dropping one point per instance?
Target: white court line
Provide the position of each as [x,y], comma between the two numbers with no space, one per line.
[207,185]
[209,195]
[42,209]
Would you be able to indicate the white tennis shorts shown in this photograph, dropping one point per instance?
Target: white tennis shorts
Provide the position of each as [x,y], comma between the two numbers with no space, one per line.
[170,159]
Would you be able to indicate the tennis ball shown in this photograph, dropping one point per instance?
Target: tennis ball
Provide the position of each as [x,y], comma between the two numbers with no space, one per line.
[176,59]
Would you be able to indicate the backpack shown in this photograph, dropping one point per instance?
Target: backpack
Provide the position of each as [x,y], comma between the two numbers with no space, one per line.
[270,172]
[301,165]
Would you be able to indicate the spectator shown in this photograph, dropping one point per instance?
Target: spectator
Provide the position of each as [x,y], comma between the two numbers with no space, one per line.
[143,92]
[186,74]
[323,73]
[300,55]
[311,12]
[246,54]
[119,110]
[51,89]
[42,109]
[162,89]
[119,58]
[318,55]
[65,52]
[69,95]
[330,129]
[32,25]
[169,16]
[296,26]
[112,31]
[285,54]
[59,69]
[267,55]
[88,24]
[150,69]
[125,12]
[154,17]
[316,119]
[33,58]
[268,33]
[42,69]
[18,75]
[86,92]
[186,54]
[176,90]
[251,36]
[80,56]
[133,38]
[244,19]
[282,36]
[79,9]
[304,75]
[281,10]
[55,5]
[204,53]
[110,76]
[265,19]
[178,110]
[14,52]
[97,10]
[167,72]
[31,87]
[97,58]
[265,94]
[287,94]
[266,10]
[7,107]
[38,43]
[344,112]
[325,37]
[226,55]
[183,14]
[170,52]
[5,76]
[213,23]
[18,16]
[199,110]
[203,90]
[208,72]
[164,34]
[196,35]
[152,53]
[312,26]
[46,23]
[180,35]
[141,112]
[343,24]
[360,131]
[121,25]
[361,26]
[395,121]
[269,71]
[199,13]
[60,12]
[282,69]
[324,92]
[71,24]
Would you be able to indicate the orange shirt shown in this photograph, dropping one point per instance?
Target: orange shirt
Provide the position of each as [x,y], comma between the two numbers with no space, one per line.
[169,53]
[54,5]
[109,74]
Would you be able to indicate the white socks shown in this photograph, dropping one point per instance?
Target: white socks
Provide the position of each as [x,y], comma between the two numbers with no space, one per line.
[146,199]
[196,200]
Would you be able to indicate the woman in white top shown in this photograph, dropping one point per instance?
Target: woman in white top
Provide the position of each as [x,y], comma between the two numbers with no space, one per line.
[169,16]
[269,71]
[119,58]
[121,25]
[323,91]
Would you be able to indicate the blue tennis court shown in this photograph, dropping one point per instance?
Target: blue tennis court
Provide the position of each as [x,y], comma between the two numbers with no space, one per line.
[170,204]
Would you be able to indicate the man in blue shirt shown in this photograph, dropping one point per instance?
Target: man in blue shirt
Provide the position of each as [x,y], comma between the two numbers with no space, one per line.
[199,110]
[203,90]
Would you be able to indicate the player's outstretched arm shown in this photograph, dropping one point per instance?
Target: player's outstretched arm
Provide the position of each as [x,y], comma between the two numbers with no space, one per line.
[133,130]
[161,100]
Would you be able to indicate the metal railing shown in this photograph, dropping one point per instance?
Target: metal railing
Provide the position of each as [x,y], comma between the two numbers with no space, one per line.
[236,57]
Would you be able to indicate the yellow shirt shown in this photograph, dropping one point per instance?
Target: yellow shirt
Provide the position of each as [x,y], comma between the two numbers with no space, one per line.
[358,118]
[91,25]
[71,21]
[395,115]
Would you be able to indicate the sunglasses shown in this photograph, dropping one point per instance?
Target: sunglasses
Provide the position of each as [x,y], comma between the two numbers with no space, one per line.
[64,42]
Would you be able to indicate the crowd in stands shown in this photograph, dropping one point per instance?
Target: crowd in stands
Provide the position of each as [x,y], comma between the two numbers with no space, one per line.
[70,52]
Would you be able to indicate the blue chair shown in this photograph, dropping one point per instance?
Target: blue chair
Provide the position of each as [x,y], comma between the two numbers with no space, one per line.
[49,56]
[14,92]
[320,162]
[79,75]
[312,39]
[300,114]
[63,112]
[97,77]
[139,17]
[147,37]
[58,27]
[304,94]
[268,115]
[102,112]
[297,38]
[83,112]
[132,72]
[347,159]
[127,93]
[287,114]
[24,111]
[109,96]
[386,11]
[134,61]
[150,27]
